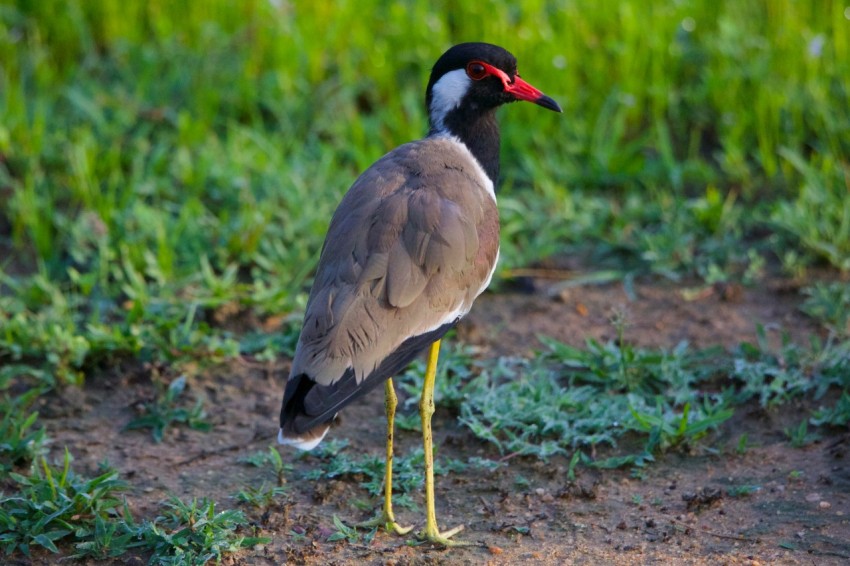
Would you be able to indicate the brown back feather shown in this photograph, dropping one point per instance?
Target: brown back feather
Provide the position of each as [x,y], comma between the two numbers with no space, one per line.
[412,241]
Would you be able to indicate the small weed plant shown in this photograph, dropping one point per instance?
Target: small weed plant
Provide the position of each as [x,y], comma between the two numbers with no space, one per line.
[194,533]
[260,497]
[165,411]
[55,504]
[269,458]
[21,441]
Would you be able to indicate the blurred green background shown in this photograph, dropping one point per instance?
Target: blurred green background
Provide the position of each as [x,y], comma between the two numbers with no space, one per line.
[165,166]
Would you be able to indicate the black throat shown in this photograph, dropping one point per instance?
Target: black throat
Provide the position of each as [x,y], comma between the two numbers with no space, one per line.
[478,130]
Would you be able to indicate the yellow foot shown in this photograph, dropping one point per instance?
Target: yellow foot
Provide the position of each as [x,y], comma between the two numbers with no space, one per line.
[436,537]
[387,522]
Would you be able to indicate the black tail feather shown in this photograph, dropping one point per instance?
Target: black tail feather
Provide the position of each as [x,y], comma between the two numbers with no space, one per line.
[308,405]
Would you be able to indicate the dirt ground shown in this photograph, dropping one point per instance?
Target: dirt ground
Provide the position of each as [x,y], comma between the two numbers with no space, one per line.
[680,513]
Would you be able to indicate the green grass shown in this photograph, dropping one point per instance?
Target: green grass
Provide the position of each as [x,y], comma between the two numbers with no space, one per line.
[269,458]
[773,377]
[260,497]
[350,534]
[108,538]
[829,303]
[54,504]
[740,491]
[168,170]
[799,436]
[820,214]
[194,533]
[176,168]
[643,402]
[21,441]
[571,398]
[838,415]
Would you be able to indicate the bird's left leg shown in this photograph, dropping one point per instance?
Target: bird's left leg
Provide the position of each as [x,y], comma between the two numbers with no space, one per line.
[385,517]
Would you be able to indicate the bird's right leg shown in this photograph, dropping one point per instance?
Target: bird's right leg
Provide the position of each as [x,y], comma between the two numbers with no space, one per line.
[426,411]
[385,517]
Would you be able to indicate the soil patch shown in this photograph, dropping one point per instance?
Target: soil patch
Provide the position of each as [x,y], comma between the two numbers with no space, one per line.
[770,504]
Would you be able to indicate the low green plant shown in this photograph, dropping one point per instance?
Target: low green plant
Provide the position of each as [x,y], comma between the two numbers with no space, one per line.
[739,491]
[55,504]
[20,440]
[574,461]
[485,464]
[522,408]
[703,235]
[269,458]
[620,366]
[350,534]
[743,444]
[829,303]
[194,533]
[799,435]
[51,332]
[770,377]
[260,497]
[668,429]
[819,218]
[837,415]
[774,376]
[38,333]
[32,373]
[108,538]
[568,398]
[268,347]
[165,411]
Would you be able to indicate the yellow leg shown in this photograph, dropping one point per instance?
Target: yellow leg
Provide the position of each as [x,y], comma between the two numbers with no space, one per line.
[385,517]
[426,410]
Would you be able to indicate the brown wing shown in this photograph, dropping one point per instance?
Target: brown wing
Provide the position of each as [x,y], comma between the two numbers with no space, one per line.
[410,247]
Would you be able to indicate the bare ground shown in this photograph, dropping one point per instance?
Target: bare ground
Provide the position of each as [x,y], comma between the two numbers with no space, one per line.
[681,512]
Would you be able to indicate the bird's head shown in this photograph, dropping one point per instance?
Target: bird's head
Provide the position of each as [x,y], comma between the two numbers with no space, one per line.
[475,78]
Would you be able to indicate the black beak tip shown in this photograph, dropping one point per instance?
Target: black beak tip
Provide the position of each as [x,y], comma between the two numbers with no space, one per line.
[549,103]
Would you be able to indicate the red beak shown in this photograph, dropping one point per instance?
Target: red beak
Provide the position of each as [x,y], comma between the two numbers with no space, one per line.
[524,91]
[521,90]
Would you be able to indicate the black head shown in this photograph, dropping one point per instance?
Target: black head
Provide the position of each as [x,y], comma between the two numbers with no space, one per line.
[474,78]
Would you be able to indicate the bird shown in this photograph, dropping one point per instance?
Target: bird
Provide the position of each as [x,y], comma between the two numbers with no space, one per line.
[411,245]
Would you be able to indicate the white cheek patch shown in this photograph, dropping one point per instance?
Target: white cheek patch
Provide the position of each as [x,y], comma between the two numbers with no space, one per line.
[446,95]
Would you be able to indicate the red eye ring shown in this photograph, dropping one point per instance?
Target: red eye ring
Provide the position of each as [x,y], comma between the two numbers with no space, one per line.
[476,70]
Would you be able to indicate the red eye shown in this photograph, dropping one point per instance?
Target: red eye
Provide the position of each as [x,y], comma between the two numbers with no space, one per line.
[476,70]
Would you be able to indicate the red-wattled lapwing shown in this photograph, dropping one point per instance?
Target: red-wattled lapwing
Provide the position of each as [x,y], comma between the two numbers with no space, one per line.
[413,243]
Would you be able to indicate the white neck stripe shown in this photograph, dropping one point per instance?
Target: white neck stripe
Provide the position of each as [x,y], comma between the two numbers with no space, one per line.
[446,95]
